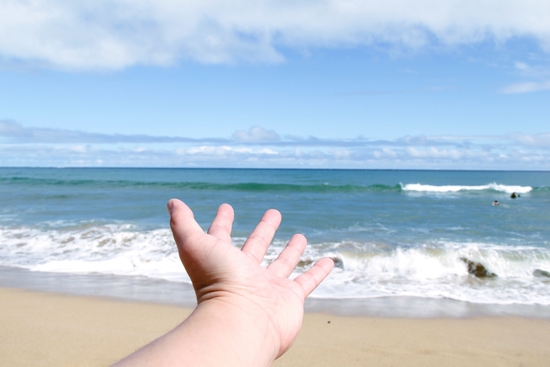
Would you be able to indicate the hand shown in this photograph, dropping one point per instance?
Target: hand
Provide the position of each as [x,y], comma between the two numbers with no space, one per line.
[221,273]
[246,315]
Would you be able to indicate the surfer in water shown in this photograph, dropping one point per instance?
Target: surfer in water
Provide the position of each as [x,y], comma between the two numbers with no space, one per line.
[495,203]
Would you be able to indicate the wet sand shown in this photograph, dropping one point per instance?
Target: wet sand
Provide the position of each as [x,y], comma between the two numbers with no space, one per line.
[48,329]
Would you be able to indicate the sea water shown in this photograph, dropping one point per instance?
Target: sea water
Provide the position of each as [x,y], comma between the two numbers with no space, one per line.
[392,233]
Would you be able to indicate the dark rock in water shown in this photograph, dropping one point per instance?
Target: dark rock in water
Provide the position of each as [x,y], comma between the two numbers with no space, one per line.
[541,273]
[477,269]
[304,263]
[338,263]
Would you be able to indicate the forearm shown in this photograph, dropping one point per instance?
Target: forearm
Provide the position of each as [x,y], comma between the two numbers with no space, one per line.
[215,334]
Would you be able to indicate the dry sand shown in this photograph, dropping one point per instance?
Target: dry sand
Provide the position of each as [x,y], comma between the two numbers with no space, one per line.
[45,329]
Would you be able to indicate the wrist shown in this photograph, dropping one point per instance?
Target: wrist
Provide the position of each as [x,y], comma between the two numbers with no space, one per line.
[224,318]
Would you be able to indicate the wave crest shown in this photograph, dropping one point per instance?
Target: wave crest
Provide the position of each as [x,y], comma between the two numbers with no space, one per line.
[457,188]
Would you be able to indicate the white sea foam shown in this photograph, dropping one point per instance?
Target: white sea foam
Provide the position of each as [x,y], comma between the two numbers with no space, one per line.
[456,188]
[363,270]
[110,249]
[439,272]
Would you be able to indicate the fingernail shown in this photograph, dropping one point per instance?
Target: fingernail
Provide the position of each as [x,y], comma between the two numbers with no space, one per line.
[170,206]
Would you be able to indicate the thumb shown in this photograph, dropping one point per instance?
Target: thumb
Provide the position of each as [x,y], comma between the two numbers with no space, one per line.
[183,224]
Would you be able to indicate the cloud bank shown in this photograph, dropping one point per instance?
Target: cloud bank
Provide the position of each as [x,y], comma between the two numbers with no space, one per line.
[262,148]
[115,34]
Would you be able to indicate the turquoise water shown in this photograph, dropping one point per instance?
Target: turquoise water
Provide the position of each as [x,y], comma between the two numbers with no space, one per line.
[393,233]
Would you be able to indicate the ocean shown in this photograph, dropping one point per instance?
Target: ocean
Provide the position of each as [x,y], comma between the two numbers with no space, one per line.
[394,234]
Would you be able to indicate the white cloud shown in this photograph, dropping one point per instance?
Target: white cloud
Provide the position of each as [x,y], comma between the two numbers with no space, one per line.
[113,34]
[78,149]
[385,153]
[447,154]
[256,134]
[224,150]
[521,66]
[538,140]
[536,75]
[527,87]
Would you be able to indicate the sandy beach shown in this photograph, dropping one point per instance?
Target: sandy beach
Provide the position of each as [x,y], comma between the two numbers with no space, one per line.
[48,329]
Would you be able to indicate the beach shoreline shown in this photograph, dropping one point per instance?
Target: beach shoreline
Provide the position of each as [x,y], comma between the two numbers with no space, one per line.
[158,291]
[52,329]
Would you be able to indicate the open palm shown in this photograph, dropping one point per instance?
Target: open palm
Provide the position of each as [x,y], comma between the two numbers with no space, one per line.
[221,272]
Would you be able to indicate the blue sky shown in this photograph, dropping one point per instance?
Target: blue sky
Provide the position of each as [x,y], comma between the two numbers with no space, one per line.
[328,84]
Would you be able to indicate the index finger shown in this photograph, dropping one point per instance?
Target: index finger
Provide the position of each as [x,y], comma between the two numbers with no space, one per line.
[222,224]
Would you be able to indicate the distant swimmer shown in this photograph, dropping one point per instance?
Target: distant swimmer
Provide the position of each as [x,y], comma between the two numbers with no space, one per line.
[496,203]
[513,196]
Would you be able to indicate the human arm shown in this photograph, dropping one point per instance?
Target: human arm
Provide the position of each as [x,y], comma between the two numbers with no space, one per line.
[246,315]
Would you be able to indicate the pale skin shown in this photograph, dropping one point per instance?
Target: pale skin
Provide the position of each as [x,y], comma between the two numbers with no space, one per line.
[246,315]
